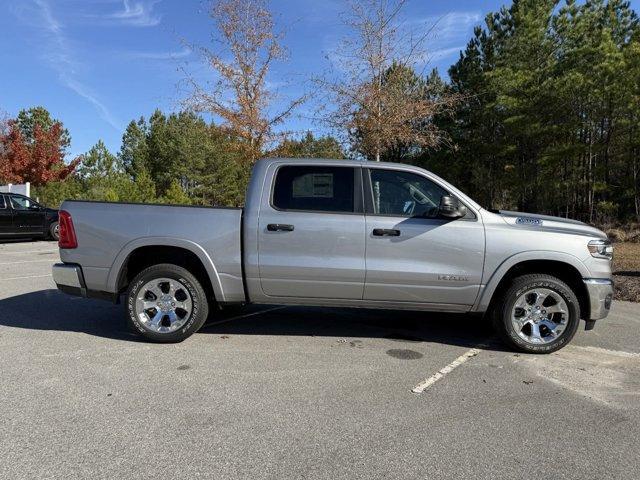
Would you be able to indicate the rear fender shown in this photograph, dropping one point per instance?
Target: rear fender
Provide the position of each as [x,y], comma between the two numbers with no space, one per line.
[207,261]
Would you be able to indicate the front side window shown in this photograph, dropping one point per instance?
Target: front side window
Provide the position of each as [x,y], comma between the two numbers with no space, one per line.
[21,203]
[314,188]
[3,204]
[404,194]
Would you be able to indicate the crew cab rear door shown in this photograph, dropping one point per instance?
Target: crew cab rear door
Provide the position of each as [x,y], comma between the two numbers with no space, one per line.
[413,255]
[6,216]
[311,233]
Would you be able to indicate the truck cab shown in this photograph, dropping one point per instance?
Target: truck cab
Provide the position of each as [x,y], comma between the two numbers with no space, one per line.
[356,233]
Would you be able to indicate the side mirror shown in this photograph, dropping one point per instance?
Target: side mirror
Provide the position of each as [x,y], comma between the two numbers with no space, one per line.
[450,207]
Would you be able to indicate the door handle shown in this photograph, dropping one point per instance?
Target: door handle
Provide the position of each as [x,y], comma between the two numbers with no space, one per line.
[386,232]
[279,227]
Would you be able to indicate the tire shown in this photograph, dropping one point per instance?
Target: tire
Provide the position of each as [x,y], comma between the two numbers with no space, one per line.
[53,231]
[166,304]
[548,325]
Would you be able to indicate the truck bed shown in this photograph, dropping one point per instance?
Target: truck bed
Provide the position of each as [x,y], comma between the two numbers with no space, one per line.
[108,232]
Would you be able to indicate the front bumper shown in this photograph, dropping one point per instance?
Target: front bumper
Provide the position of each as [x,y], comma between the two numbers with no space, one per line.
[600,292]
[69,279]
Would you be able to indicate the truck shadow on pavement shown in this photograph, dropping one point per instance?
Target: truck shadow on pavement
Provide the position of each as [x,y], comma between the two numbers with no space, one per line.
[402,326]
[52,310]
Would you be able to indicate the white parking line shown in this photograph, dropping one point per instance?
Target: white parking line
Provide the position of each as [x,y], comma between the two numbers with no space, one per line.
[50,260]
[422,386]
[28,276]
[606,351]
[28,252]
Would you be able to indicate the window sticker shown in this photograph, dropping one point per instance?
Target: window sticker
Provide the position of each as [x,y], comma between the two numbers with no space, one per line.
[314,185]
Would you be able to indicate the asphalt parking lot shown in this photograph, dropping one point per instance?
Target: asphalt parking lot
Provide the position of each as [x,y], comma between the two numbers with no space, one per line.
[303,393]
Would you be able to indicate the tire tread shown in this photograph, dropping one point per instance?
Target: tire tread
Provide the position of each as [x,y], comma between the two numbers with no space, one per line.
[500,319]
[163,270]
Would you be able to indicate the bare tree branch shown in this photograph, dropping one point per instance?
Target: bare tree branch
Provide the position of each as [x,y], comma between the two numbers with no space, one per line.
[380,101]
[240,94]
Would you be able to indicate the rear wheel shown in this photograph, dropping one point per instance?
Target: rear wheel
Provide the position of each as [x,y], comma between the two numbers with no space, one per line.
[54,231]
[538,314]
[166,303]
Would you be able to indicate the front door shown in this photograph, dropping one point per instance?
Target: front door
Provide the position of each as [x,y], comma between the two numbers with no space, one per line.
[6,217]
[412,254]
[311,235]
[28,216]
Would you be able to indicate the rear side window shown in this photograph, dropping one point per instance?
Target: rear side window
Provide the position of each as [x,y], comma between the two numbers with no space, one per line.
[314,188]
[3,204]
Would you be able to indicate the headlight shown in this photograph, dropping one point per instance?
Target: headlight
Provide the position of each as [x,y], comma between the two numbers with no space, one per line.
[601,249]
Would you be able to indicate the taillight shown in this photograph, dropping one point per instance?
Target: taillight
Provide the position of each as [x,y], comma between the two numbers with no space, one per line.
[67,234]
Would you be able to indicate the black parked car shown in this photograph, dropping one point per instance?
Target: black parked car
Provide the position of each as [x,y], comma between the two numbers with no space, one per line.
[21,216]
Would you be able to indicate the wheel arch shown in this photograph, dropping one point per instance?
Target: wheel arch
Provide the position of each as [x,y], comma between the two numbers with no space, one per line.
[142,253]
[567,268]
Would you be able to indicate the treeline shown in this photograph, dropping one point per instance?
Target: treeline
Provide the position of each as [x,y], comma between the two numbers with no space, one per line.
[175,159]
[541,113]
[549,119]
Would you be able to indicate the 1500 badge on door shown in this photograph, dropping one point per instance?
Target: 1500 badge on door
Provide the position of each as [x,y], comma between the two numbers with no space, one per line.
[453,278]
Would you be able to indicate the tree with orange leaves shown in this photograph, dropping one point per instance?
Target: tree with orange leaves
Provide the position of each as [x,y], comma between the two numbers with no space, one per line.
[38,161]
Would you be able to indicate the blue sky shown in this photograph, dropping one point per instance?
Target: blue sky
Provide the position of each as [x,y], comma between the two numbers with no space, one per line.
[97,64]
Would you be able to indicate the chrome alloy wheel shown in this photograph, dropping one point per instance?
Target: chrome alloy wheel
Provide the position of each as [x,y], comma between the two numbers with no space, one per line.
[163,305]
[539,316]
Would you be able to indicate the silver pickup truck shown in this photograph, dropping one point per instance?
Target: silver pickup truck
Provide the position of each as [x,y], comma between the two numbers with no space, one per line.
[339,233]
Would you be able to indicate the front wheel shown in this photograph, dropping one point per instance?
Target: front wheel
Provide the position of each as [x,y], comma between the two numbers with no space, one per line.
[166,304]
[537,314]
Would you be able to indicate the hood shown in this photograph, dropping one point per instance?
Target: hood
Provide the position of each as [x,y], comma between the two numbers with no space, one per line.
[532,221]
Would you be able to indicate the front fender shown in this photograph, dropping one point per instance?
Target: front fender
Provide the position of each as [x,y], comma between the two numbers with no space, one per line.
[487,291]
[205,258]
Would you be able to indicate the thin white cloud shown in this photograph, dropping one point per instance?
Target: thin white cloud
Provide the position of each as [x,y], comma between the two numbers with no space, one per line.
[185,52]
[456,24]
[88,95]
[449,32]
[60,56]
[451,24]
[446,34]
[441,53]
[136,14]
